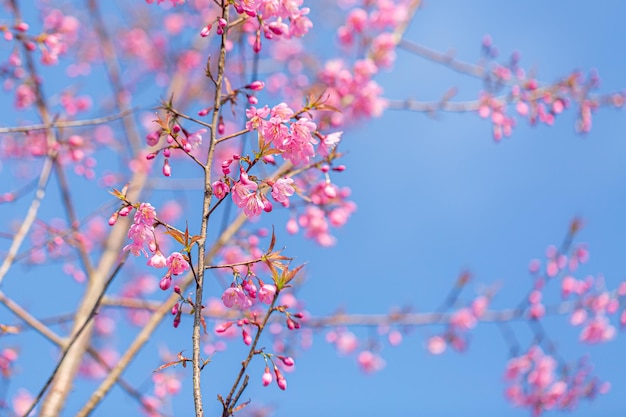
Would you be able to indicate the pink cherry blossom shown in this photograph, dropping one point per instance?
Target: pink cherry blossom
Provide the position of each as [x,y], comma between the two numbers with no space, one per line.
[157,260]
[234,297]
[282,189]
[177,264]
[267,293]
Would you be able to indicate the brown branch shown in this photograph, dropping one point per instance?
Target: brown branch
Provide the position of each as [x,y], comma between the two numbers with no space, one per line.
[158,315]
[206,210]
[447,60]
[45,331]
[161,311]
[76,335]
[232,135]
[184,116]
[343,319]
[28,221]
[62,124]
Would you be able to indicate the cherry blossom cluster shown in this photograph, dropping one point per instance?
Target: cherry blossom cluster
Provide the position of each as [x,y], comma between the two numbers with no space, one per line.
[74,150]
[351,88]
[460,323]
[294,139]
[329,207]
[594,305]
[374,22]
[166,385]
[276,19]
[536,103]
[56,240]
[142,234]
[347,343]
[58,34]
[534,382]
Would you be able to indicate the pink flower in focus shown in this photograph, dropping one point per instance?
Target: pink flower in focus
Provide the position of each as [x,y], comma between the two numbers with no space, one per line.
[220,189]
[256,118]
[283,112]
[282,189]
[242,189]
[177,264]
[267,293]
[157,260]
[234,297]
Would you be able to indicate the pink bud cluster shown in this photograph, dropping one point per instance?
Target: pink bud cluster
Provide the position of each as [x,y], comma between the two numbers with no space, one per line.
[532,101]
[176,138]
[74,150]
[246,294]
[594,303]
[533,382]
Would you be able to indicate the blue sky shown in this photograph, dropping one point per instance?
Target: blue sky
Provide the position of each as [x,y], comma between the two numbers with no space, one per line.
[437,196]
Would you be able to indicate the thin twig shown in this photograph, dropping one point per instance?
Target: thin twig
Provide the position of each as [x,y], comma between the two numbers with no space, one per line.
[232,135]
[73,123]
[45,331]
[204,223]
[153,322]
[184,116]
[229,403]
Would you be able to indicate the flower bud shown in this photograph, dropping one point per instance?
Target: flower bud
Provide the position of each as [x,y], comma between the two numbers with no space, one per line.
[267,377]
[256,85]
[167,170]
[113,219]
[205,31]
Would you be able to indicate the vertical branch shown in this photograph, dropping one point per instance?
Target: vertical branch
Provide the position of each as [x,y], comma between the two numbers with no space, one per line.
[46,332]
[206,207]
[155,319]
